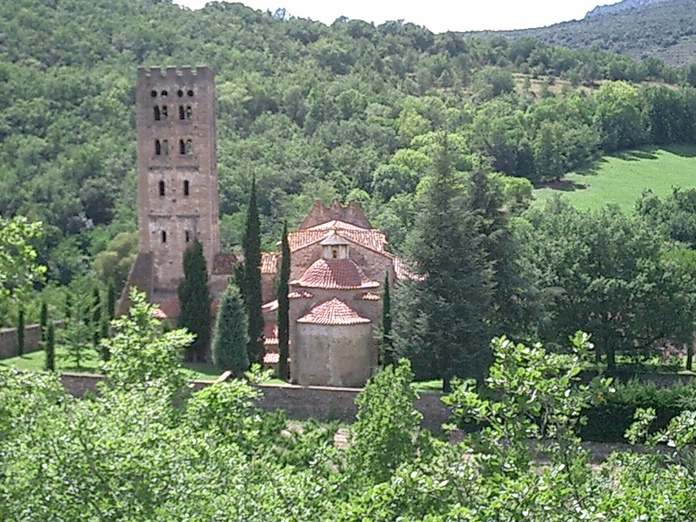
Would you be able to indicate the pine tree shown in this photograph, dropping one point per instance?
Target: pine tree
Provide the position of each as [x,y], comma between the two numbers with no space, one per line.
[442,322]
[43,321]
[387,347]
[284,306]
[49,349]
[20,331]
[230,341]
[251,287]
[194,298]
[512,293]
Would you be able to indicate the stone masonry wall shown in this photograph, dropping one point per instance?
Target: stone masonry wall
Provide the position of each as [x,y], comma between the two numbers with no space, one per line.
[32,339]
[298,402]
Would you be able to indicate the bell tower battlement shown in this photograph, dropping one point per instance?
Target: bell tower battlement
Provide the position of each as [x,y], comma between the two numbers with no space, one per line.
[177,169]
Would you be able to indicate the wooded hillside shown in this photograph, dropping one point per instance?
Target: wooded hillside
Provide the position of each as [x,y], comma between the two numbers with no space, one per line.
[665,29]
[312,111]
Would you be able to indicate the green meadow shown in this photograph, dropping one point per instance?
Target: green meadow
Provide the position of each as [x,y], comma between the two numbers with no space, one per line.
[621,178]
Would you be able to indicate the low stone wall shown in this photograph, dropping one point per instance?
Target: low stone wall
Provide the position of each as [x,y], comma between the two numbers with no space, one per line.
[32,340]
[298,402]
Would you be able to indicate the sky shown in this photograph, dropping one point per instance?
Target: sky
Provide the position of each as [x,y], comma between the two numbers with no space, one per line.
[437,15]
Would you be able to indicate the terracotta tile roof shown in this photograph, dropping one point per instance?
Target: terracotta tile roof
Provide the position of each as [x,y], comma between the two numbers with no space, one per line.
[223,264]
[335,313]
[168,310]
[368,296]
[270,306]
[302,294]
[270,334]
[334,274]
[271,358]
[269,262]
[368,238]
[336,224]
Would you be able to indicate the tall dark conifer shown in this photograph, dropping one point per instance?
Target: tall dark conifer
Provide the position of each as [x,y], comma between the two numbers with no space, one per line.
[251,287]
[387,347]
[50,348]
[443,320]
[110,301]
[230,342]
[96,316]
[43,321]
[194,299]
[20,331]
[284,306]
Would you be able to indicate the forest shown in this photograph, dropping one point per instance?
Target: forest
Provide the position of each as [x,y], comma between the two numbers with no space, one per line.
[311,111]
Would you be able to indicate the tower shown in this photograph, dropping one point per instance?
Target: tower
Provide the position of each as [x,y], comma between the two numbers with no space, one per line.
[177,172]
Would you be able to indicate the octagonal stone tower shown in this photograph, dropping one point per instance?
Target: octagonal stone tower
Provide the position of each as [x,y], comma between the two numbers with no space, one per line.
[177,172]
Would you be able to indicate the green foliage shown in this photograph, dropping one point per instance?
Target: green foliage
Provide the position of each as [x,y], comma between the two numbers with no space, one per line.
[385,431]
[251,282]
[231,333]
[19,270]
[284,306]
[112,264]
[43,320]
[605,272]
[141,354]
[110,301]
[194,298]
[443,311]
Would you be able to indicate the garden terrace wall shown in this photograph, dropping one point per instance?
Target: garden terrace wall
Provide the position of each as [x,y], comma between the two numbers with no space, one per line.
[298,402]
[32,340]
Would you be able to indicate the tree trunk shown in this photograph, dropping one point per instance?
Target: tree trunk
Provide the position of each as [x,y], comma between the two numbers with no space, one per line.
[689,356]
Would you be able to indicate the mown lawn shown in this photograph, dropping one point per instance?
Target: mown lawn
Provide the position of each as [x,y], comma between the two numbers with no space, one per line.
[621,179]
[89,363]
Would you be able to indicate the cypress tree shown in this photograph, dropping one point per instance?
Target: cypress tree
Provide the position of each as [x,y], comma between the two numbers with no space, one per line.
[49,349]
[443,320]
[96,316]
[20,331]
[284,306]
[386,344]
[194,299]
[230,341]
[251,287]
[43,321]
[110,301]
[68,305]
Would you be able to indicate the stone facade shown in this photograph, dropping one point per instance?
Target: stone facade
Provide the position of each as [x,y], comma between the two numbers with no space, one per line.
[177,175]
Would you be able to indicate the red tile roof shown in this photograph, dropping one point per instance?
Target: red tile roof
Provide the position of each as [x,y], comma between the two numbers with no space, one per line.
[271,358]
[270,334]
[368,238]
[302,294]
[334,313]
[269,262]
[270,306]
[168,310]
[334,274]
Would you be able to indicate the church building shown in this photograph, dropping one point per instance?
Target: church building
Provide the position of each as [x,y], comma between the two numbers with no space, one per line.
[339,261]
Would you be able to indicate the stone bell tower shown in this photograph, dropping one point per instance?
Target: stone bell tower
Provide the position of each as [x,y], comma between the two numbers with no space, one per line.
[177,174]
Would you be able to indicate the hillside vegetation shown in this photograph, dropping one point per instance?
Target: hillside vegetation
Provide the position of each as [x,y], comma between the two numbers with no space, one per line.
[311,111]
[665,29]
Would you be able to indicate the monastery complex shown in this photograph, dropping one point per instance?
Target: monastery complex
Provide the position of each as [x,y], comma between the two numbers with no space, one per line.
[339,261]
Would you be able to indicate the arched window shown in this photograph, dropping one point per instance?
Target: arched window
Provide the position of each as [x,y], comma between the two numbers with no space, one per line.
[186,187]
[189,112]
[188,236]
[161,188]
[157,113]
[189,147]
[164,236]
[165,147]
[179,93]
[182,112]
[182,147]
[153,94]
[164,94]
[158,148]
[190,93]
[164,112]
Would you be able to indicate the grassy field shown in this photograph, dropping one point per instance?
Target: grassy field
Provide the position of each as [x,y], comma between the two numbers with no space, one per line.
[621,179]
[90,364]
